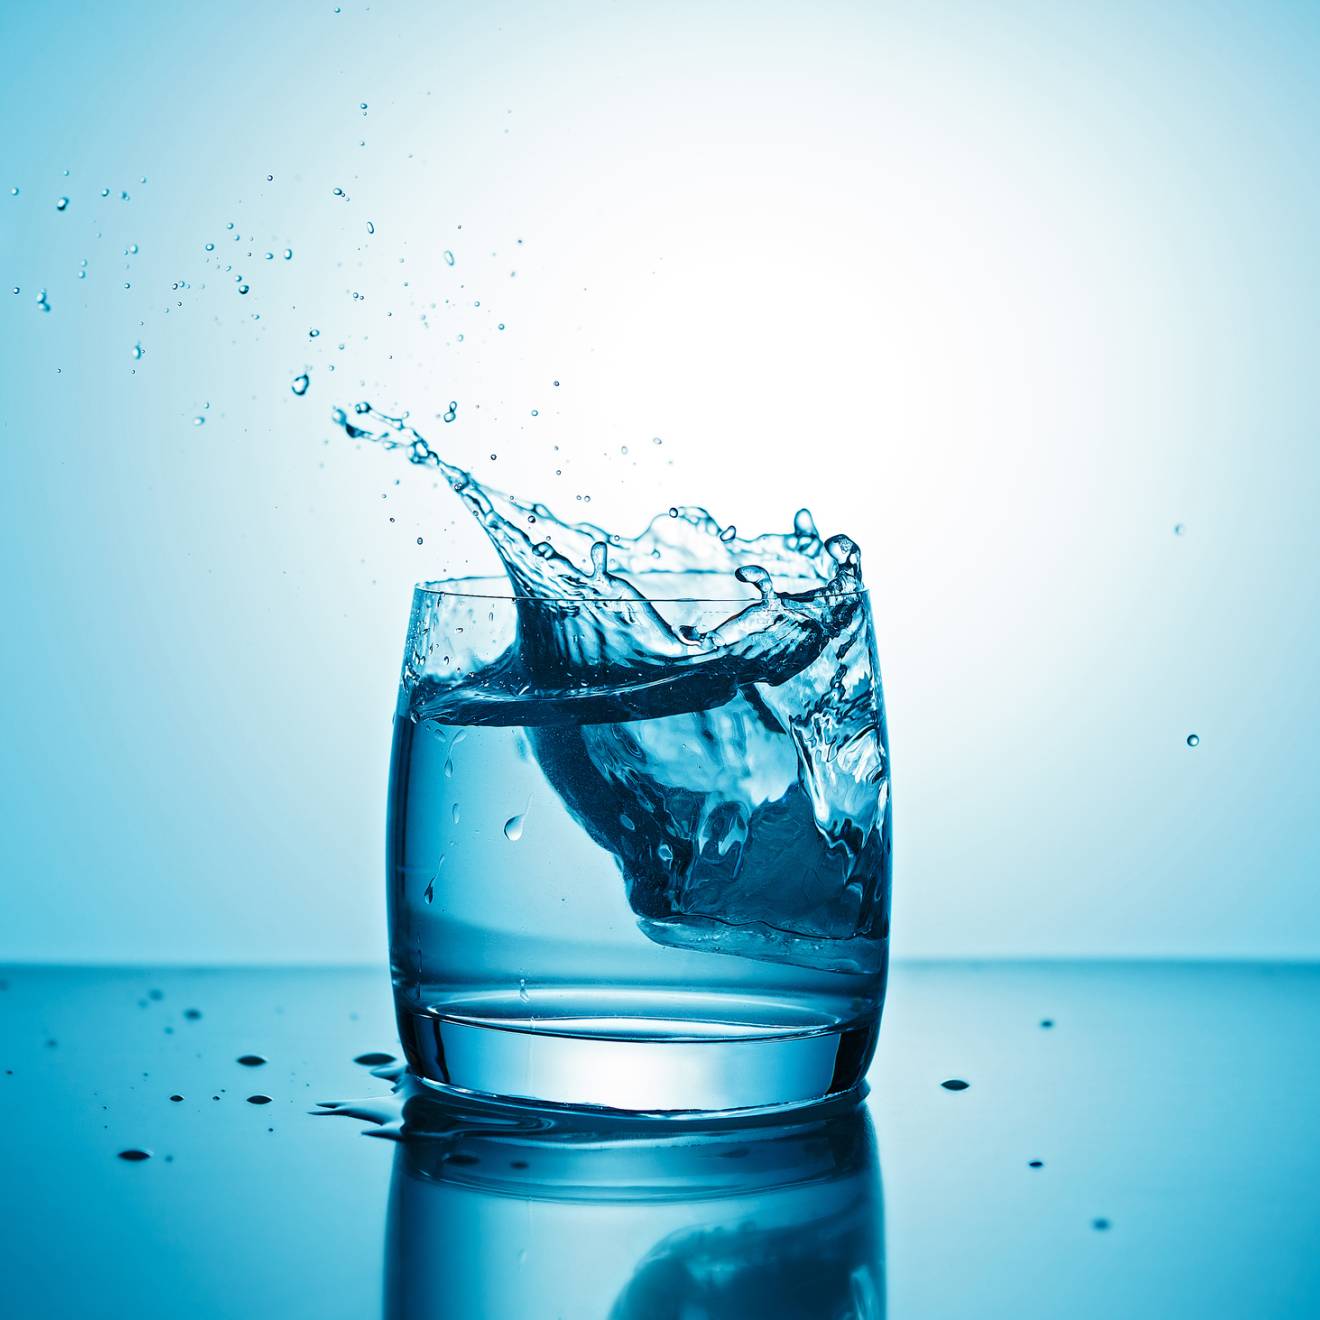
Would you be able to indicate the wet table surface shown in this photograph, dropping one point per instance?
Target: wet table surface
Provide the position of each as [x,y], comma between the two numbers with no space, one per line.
[1134,1140]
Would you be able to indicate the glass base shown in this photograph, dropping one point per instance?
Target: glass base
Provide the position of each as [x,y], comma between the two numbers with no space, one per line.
[637,1052]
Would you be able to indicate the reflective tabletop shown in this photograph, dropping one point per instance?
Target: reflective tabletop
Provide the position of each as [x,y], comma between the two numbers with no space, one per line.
[1079,1139]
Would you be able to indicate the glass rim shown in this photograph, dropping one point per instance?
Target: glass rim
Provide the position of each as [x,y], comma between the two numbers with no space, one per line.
[456,587]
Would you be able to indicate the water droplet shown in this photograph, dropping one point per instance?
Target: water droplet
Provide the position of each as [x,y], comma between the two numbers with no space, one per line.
[452,412]
[493,457]
[288,254]
[655,440]
[339,192]
[243,288]
[1193,740]
[371,228]
[13,192]
[62,204]
[300,383]
[134,1156]
[453,813]
[513,828]
[105,192]
[138,351]
[523,996]
[955,1084]
[1035,1164]
[665,853]
[258,1099]
[270,256]
[251,1060]
[374,1059]
[501,327]
[42,301]
[210,247]
[449,257]
[192,1014]
[429,893]
[1047,1023]
[536,412]
[199,421]
[1100,1225]
[177,1099]
[419,540]
[1179,529]
[673,513]
[362,105]
[313,334]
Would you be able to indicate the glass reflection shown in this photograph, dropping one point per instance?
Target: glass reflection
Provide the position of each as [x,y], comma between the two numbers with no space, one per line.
[497,1214]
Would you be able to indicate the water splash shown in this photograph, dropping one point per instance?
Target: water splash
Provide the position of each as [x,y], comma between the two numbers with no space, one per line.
[703,703]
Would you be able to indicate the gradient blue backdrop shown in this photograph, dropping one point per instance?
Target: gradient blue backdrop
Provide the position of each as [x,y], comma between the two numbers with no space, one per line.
[1004,291]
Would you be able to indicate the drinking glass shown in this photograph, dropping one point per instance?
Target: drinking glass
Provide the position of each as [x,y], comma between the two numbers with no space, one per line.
[612,890]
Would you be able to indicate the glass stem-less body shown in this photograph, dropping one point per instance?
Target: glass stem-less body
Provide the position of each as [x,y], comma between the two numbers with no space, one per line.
[639,914]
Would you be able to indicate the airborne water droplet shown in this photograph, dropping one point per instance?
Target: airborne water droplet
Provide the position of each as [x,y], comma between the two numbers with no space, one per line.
[300,383]
[955,1084]
[62,204]
[523,996]
[134,1156]
[1193,740]
[453,813]
[449,257]
[513,827]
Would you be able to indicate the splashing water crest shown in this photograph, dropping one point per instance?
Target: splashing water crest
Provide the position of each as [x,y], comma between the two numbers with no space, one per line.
[734,767]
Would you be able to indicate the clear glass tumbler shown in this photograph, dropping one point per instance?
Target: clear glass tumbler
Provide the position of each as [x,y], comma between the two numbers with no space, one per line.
[612,890]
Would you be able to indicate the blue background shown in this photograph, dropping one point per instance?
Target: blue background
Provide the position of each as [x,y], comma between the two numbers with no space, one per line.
[1005,292]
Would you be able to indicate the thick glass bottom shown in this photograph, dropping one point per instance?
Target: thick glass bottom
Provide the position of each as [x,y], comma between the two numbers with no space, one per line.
[652,1051]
